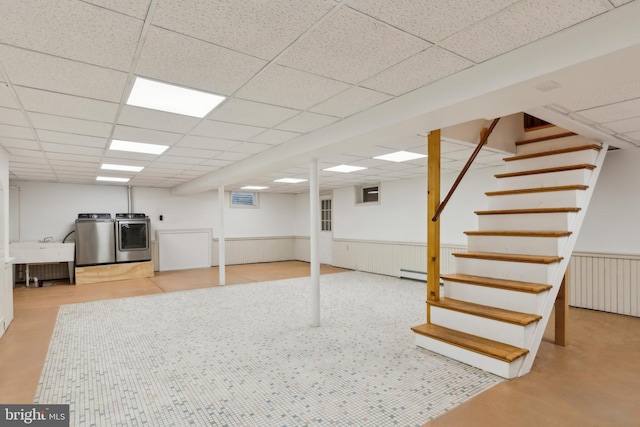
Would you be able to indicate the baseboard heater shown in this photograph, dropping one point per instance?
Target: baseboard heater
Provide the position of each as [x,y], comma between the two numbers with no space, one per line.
[420,276]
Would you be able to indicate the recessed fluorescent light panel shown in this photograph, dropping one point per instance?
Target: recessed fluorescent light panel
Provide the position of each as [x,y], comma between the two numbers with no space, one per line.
[172,99]
[125,168]
[344,169]
[254,187]
[137,147]
[401,156]
[112,179]
[290,180]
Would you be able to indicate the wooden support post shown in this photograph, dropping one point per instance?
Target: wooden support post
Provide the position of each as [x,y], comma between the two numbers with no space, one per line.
[562,311]
[433,227]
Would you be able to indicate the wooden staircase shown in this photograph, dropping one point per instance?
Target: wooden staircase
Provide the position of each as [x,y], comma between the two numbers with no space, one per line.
[496,306]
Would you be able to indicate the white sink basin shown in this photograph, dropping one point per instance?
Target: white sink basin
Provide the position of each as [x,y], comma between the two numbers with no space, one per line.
[35,252]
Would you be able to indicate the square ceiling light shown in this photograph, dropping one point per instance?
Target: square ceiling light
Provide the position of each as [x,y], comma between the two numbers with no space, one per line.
[137,147]
[254,187]
[344,169]
[111,178]
[290,180]
[401,156]
[107,166]
[172,99]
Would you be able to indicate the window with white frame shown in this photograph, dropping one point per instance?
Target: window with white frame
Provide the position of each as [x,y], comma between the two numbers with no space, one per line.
[325,215]
[244,199]
[369,193]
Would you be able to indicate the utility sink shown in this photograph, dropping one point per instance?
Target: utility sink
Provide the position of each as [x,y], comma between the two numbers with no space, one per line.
[37,252]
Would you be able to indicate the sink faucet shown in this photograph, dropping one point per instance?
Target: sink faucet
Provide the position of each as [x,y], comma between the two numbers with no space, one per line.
[47,239]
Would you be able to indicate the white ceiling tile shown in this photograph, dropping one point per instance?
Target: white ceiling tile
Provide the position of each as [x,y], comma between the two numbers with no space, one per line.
[153,119]
[27,144]
[250,26]
[23,152]
[274,137]
[192,152]
[624,126]
[287,87]
[70,125]
[71,29]
[433,20]
[29,160]
[73,157]
[185,61]
[250,148]
[233,156]
[610,95]
[204,143]
[216,163]
[251,113]
[10,116]
[70,165]
[350,101]
[350,47]
[178,160]
[613,112]
[523,23]
[307,122]
[150,136]
[69,138]
[19,132]
[54,74]
[41,101]
[7,98]
[417,71]
[618,3]
[71,149]
[136,8]
[224,130]
[634,136]
[114,156]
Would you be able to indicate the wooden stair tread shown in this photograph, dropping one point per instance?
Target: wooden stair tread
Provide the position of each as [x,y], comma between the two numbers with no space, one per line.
[537,190]
[527,211]
[497,350]
[507,316]
[490,282]
[595,147]
[519,233]
[496,256]
[546,170]
[545,138]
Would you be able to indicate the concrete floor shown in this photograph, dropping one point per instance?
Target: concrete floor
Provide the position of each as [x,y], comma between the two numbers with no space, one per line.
[594,381]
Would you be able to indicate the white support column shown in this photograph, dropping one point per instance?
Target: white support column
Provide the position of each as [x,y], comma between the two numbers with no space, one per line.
[221,244]
[314,233]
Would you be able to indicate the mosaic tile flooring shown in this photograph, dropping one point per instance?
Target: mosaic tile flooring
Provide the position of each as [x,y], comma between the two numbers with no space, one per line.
[244,355]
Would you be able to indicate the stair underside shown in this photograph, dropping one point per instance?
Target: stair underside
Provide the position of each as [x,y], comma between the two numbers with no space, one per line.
[546,170]
[545,138]
[519,233]
[495,256]
[494,349]
[537,190]
[490,282]
[527,211]
[554,152]
[494,313]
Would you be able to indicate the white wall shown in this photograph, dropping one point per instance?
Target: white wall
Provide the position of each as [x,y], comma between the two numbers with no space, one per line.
[612,223]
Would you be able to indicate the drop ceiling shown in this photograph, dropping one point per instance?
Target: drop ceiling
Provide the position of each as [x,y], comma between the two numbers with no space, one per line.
[340,81]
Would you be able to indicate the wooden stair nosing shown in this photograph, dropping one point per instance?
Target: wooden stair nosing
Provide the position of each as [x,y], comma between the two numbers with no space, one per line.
[527,211]
[546,170]
[545,138]
[497,350]
[519,233]
[496,256]
[595,147]
[500,314]
[490,282]
[537,190]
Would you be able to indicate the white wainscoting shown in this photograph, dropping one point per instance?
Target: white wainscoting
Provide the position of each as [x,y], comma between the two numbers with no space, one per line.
[256,249]
[183,249]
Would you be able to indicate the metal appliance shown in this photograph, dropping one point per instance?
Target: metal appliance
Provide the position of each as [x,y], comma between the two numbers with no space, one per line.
[133,237]
[95,239]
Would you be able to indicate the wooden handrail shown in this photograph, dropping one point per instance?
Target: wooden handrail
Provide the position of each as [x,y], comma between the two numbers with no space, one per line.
[466,167]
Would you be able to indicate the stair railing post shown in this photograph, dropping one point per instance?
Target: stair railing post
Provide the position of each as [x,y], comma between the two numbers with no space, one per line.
[433,227]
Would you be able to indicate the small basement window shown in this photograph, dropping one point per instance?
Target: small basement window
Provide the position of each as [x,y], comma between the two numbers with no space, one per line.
[244,199]
[368,194]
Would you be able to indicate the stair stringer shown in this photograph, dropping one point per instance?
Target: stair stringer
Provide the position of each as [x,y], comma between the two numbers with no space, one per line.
[536,337]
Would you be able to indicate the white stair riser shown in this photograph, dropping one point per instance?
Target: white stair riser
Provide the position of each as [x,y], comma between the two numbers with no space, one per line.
[551,179]
[552,144]
[554,160]
[517,245]
[547,199]
[507,333]
[495,366]
[560,221]
[520,271]
[523,302]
